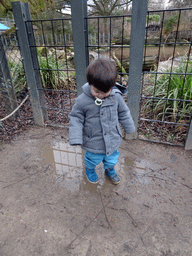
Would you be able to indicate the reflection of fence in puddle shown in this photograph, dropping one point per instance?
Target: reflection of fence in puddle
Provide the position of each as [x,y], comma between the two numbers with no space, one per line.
[66,157]
[141,169]
[69,164]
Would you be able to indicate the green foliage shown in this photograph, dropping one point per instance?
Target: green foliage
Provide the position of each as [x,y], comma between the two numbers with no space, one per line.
[120,68]
[51,78]
[128,19]
[50,74]
[171,87]
[5,8]
[169,24]
[154,17]
[37,7]
[118,40]
[10,34]
[18,76]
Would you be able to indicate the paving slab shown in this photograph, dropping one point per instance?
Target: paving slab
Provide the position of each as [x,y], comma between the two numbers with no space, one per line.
[47,206]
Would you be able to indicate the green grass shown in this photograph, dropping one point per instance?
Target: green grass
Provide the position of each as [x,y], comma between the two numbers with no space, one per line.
[55,79]
[51,78]
[171,87]
[18,76]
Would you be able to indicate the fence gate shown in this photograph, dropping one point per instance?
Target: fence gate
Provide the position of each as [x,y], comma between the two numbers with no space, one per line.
[50,50]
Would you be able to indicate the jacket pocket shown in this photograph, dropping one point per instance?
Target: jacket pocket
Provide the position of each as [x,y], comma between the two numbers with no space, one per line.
[119,130]
[87,134]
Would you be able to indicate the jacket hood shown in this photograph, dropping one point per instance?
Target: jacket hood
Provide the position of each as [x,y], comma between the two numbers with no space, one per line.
[118,88]
[87,90]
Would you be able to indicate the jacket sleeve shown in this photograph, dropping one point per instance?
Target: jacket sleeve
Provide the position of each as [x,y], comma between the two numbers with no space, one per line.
[124,114]
[76,121]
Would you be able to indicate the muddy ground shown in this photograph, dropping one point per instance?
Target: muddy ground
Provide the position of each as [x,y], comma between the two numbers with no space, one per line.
[47,207]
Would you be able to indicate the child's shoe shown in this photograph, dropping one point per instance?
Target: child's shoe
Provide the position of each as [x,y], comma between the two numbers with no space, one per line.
[112,175]
[91,175]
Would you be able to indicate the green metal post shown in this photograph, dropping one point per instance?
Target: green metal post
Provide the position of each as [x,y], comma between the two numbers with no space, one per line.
[77,14]
[35,60]
[138,24]
[188,143]
[20,15]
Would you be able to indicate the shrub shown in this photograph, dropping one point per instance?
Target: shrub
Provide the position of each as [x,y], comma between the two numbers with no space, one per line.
[171,87]
[18,76]
[51,75]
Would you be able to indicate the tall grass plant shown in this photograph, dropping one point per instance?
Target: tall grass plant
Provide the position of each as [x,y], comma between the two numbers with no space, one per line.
[178,87]
[18,76]
[52,75]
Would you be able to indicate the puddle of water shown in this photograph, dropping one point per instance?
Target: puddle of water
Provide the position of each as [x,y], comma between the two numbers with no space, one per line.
[69,168]
[129,161]
[68,162]
[139,170]
[142,167]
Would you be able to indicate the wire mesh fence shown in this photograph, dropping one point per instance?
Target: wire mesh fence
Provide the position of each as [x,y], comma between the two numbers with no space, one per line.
[56,65]
[166,95]
[22,117]
[13,54]
[109,36]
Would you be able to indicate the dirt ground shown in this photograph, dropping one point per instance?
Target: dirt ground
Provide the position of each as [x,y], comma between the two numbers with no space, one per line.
[47,207]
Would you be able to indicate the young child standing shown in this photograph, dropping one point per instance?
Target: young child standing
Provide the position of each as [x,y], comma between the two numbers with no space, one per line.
[95,117]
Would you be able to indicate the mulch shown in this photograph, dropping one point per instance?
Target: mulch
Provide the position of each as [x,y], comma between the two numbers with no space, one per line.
[59,105]
[23,120]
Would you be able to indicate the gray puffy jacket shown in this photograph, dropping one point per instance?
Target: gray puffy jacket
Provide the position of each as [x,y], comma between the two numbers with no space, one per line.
[96,128]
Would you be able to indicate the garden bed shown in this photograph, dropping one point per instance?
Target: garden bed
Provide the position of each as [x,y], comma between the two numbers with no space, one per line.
[59,104]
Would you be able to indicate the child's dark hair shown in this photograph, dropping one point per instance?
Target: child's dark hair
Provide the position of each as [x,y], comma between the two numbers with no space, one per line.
[102,74]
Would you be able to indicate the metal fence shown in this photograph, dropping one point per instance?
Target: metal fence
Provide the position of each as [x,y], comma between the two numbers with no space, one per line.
[7,93]
[160,103]
[165,99]
[15,62]
[166,96]
[15,107]
[117,43]
[56,65]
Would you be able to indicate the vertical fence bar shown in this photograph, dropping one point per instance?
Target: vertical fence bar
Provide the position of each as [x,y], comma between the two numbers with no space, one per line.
[19,12]
[6,86]
[138,24]
[188,143]
[77,14]
[35,60]
[86,32]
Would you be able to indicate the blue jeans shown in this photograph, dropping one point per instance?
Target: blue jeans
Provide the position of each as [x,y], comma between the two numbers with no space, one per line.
[92,159]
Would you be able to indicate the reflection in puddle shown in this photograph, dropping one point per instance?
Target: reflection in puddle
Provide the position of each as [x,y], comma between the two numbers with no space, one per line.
[68,164]
[69,169]
[66,156]
[141,169]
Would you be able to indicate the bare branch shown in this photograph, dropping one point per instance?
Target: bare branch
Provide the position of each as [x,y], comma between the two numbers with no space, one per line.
[106,7]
